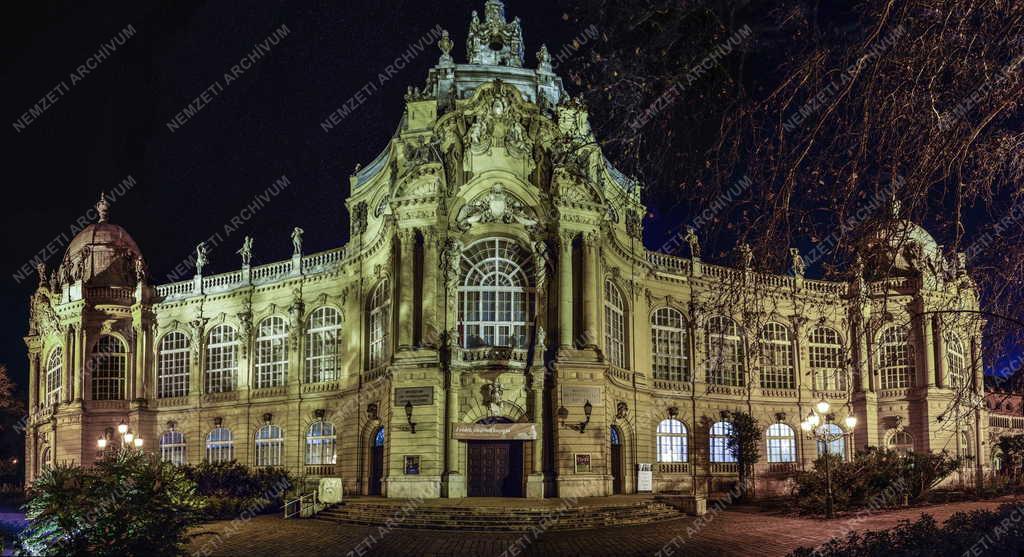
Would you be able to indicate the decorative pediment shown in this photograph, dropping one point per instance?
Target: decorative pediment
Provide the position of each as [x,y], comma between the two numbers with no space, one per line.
[497,205]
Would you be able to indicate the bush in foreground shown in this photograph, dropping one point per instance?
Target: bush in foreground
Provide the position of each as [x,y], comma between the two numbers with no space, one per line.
[128,504]
[999,532]
[230,488]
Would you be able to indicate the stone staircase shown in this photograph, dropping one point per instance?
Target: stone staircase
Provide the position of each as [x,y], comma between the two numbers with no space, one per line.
[564,516]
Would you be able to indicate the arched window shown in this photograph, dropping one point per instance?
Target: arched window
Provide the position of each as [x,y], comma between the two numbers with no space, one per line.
[671,437]
[496,298]
[221,359]
[781,443]
[614,325]
[320,443]
[54,365]
[173,366]
[900,440]
[616,440]
[836,447]
[323,341]
[380,324]
[172,447]
[378,438]
[719,443]
[966,447]
[220,445]
[670,345]
[725,353]
[777,370]
[272,353]
[269,446]
[956,359]
[827,360]
[895,359]
[109,366]
[44,458]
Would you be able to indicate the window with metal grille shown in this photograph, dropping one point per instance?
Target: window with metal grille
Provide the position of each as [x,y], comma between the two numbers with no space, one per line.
[108,366]
[380,324]
[719,443]
[54,367]
[323,340]
[173,366]
[269,446]
[221,359]
[272,353]
[614,325]
[670,345]
[777,370]
[781,443]
[220,445]
[827,360]
[172,447]
[671,438]
[895,359]
[725,353]
[495,297]
[320,443]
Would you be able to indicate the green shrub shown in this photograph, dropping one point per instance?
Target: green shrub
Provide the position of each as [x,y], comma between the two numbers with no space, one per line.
[999,532]
[875,478]
[231,488]
[128,504]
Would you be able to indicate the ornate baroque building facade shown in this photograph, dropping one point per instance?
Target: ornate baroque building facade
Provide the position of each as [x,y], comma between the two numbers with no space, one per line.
[495,326]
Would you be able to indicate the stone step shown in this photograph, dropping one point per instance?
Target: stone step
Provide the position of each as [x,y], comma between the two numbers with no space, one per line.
[497,518]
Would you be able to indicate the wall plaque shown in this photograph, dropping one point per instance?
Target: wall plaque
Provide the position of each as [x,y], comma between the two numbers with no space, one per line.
[582,464]
[576,395]
[418,396]
[412,464]
[644,477]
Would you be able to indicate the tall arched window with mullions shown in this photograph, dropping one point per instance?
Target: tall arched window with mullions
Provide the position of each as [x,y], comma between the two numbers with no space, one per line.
[221,359]
[380,325]
[725,353]
[956,358]
[109,368]
[323,340]
[670,345]
[614,325]
[173,366]
[496,295]
[777,370]
[54,366]
[827,359]
[272,353]
[895,358]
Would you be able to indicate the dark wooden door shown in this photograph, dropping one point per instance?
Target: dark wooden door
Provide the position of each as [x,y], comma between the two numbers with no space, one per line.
[495,469]
[617,475]
[376,463]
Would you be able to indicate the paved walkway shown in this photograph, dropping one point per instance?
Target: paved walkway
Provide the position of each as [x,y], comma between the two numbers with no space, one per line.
[740,531]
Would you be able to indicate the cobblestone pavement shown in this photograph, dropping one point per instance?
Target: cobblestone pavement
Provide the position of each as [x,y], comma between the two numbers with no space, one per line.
[740,531]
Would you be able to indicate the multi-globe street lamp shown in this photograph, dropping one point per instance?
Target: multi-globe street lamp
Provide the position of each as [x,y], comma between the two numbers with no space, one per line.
[128,438]
[815,427]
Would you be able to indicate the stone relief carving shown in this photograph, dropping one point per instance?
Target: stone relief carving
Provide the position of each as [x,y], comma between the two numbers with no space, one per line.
[497,205]
[492,395]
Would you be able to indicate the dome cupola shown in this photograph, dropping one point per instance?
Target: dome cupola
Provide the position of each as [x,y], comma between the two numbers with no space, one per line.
[102,254]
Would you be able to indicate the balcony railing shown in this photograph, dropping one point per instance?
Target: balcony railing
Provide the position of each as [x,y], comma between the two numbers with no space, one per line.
[673,467]
[781,467]
[320,470]
[501,354]
[669,385]
[724,468]
[270,392]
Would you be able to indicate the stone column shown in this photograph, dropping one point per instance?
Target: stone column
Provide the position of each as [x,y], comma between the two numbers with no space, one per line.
[77,363]
[139,368]
[535,481]
[940,352]
[33,378]
[456,480]
[565,306]
[590,295]
[430,335]
[405,288]
[927,335]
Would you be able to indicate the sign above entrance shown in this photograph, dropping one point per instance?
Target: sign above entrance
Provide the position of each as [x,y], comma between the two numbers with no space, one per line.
[495,432]
[417,396]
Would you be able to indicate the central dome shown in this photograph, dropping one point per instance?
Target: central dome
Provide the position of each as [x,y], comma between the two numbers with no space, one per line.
[102,254]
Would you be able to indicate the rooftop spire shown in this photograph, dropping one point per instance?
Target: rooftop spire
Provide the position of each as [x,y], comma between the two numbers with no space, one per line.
[495,41]
[103,208]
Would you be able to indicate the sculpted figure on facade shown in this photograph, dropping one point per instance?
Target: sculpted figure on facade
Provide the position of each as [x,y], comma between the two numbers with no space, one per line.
[202,257]
[246,251]
[797,265]
[693,242]
[297,241]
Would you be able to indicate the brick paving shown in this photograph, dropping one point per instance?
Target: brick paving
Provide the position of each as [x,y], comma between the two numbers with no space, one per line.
[738,531]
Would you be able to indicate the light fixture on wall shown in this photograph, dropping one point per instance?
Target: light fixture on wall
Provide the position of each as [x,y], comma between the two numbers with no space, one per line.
[563,414]
[408,416]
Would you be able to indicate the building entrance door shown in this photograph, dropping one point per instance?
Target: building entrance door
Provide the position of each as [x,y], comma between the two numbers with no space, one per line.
[616,450]
[495,469]
[376,463]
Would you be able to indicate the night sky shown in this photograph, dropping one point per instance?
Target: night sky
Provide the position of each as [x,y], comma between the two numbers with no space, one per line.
[112,123]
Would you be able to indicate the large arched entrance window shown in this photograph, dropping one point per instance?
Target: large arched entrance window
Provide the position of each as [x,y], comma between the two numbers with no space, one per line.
[614,325]
[671,439]
[380,324]
[173,366]
[618,476]
[54,366]
[895,359]
[221,359]
[496,296]
[109,366]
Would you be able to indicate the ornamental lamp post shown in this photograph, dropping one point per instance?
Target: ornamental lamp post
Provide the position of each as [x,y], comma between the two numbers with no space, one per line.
[128,439]
[822,415]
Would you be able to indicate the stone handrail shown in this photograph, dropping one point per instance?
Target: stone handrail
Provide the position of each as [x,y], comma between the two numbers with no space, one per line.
[724,468]
[271,271]
[671,385]
[493,353]
[222,280]
[175,289]
[669,263]
[110,294]
[672,467]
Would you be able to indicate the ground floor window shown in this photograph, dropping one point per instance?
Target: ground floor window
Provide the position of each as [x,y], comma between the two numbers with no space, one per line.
[781,443]
[220,445]
[269,446]
[671,437]
[172,447]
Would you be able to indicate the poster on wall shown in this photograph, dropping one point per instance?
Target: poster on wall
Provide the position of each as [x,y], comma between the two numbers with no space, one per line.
[583,463]
[644,477]
[412,465]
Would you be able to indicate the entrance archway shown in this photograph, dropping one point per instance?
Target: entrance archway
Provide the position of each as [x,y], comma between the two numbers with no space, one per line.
[495,467]
[376,462]
[616,460]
